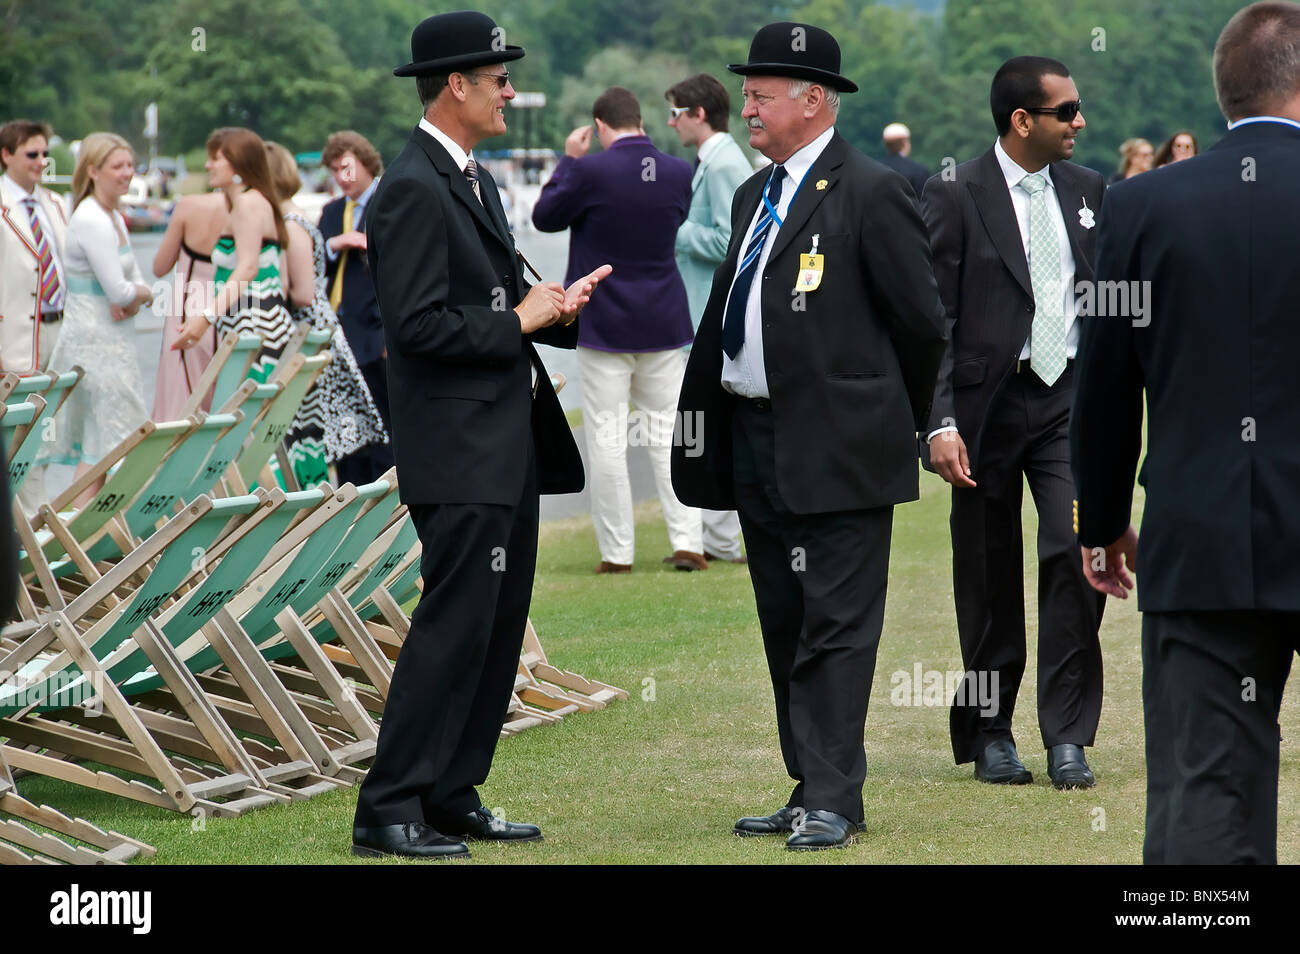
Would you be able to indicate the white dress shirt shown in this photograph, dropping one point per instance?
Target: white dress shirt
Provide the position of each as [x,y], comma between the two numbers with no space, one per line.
[710,144]
[461,158]
[16,198]
[746,374]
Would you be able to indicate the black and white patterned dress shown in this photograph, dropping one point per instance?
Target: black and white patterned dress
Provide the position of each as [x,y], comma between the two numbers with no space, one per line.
[339,415]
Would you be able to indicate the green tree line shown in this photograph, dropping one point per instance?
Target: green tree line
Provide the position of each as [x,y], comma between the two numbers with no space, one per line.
[295,70]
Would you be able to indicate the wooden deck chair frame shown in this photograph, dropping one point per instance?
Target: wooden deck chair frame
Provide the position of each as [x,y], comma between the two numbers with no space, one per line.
[297,375]
[229,366]
[60,642]
[22,845]
[336,715]
[302,764]
[136,459]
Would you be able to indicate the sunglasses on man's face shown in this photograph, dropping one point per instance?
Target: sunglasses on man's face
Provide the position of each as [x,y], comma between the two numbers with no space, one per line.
[33,153]
[1064,113]
[676,112]
[501,78]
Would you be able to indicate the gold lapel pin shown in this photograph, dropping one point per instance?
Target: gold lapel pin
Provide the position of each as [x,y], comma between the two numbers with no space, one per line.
[822,184]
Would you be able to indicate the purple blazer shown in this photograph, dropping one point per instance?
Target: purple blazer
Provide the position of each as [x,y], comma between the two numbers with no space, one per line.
[624,206]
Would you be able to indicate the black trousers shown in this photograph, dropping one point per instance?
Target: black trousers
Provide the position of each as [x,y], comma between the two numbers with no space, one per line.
[1026,433]
[372,461]
[1211,690]
[819,584]
[454,675]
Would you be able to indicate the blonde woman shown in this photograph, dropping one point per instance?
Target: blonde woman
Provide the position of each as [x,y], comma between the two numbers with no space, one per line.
[105,290]
[1135,157]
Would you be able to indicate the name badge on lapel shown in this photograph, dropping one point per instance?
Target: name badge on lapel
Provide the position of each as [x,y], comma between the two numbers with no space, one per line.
[810,268]
[1085,216]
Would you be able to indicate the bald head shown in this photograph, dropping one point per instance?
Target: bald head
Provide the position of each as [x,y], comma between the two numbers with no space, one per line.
[898,139]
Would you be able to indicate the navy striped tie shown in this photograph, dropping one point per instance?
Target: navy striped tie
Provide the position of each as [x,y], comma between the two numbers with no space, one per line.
[733,324]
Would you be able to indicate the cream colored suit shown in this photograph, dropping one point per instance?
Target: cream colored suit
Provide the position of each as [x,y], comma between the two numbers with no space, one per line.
[20,331]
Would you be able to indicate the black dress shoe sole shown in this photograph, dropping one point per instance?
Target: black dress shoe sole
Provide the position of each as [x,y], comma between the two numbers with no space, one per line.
[1024,778]
[1070,783]
[742,833]
[361,851]
[502,841]
[843,844]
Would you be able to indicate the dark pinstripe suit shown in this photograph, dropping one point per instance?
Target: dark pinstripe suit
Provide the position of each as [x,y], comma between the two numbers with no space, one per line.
[1013,425]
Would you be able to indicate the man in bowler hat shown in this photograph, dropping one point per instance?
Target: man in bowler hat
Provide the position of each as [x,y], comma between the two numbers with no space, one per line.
[813,368]
[478,434]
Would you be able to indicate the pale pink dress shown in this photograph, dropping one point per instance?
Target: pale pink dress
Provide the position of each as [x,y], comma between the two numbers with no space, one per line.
[178,371]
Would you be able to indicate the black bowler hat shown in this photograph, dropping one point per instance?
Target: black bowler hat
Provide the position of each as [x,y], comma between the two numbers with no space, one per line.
[796,50]
[455,42]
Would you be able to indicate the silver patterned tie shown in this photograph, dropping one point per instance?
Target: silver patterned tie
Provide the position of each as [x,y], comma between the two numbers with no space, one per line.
[1047,334]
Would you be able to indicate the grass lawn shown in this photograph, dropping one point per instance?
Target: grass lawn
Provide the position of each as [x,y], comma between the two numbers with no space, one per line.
[662,776]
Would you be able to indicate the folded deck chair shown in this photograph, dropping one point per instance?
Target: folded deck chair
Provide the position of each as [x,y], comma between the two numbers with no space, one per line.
[62,689]
[58,839]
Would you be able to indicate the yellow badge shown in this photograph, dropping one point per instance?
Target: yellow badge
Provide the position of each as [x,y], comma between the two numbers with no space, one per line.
[810,268]
[810,273]
[821,185]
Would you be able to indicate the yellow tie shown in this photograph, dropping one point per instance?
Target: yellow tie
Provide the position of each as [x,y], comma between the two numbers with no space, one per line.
[336,291]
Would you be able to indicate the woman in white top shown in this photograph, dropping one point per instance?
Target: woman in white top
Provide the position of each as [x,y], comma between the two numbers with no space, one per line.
[105,290]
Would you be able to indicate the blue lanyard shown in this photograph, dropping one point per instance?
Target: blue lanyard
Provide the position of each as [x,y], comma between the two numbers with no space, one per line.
[768,202]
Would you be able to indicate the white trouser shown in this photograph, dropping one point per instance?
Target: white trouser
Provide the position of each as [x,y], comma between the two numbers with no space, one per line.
[651,381]
[721,533]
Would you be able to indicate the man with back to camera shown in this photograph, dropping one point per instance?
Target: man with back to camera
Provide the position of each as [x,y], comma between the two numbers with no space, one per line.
[625,205]
[898,156]
[1208,243]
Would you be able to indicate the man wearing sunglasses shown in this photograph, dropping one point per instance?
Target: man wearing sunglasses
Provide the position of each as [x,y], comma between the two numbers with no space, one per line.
[32,228]
[1012,234]
[478,433]
[32,283]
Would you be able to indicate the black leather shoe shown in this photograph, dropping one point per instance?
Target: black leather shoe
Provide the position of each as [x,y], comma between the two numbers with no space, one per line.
[482,825]
[1067,767]
[998,764]
[820,829]
[409,840]
[778,823]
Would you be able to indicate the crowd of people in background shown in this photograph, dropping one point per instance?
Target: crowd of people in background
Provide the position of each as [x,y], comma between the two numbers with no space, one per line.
[243,259]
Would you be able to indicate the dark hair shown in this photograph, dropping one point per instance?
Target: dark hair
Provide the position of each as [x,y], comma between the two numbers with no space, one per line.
[14,134]
[1165,154]
[355,143]
[617,108]
[1257,60]
[1018,84]
[246,153]
[428,86]
[707,93]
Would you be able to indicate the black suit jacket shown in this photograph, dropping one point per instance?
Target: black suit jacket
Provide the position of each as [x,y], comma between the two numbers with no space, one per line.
[911,170]
[447,277]
[359,309]
[983,275]
[851,374]
[1216,356]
